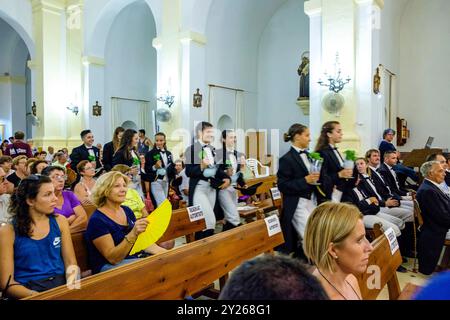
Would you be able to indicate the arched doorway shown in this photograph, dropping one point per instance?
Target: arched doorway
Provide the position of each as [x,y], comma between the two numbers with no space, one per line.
[15,82]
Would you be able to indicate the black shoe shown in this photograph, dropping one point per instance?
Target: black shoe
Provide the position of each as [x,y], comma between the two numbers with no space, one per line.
[402,269]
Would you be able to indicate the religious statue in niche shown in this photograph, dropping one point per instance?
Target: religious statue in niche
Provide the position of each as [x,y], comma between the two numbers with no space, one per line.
[96,110]
[377,82]
[197,99]
[303,72]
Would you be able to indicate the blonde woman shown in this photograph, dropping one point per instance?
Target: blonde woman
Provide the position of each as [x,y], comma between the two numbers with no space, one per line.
[83,189]
[335,241]
[113,229]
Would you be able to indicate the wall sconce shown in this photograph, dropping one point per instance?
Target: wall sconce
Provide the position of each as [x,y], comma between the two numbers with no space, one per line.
[96,110]
[198,97]
[167,99]
[73,108]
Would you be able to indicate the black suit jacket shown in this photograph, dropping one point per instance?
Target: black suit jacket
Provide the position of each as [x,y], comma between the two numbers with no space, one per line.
[435,207]
[193,156]
[447,178]
[391,181]
[221,159]
[332,167]
[119,158]
[150,161]
[108,153]
[360,194]
[292,184]
[81,153]
[380,185]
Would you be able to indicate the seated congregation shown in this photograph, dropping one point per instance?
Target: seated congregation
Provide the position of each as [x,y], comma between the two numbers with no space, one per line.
[66,216]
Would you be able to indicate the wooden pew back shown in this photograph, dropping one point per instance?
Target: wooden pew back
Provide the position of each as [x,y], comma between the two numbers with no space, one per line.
[177,273]
[179,226]
[383,261]
[89,208]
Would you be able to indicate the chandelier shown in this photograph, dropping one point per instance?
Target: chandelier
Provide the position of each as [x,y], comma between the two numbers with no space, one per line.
[335,83]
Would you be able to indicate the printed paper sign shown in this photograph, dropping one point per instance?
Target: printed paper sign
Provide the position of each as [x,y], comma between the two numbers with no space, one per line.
[276,194]
[273,225]
[195,213]
[393,243]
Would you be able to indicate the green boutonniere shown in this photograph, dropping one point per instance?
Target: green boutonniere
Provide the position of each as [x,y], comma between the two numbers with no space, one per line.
[91,158]
[136,162]
[157,157]
[350,155]
[202,155]
[315,156]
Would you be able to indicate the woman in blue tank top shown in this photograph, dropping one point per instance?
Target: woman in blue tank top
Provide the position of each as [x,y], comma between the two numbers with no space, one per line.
[37,247]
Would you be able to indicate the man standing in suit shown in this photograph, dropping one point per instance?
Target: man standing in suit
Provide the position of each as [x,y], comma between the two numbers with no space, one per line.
[435,206]
[87,151]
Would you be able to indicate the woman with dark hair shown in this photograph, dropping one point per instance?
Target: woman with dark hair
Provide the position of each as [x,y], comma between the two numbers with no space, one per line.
[127,152]
[296,181]
[159,169]
[230,161]
[5,143]
[111,147]
[333,164]
[204,176]
[36,249]
[38,166]
[67,203]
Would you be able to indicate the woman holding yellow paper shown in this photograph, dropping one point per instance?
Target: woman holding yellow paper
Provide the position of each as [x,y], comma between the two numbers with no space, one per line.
[113,229]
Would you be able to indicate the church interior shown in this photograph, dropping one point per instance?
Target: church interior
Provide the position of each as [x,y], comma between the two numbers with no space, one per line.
[200,108]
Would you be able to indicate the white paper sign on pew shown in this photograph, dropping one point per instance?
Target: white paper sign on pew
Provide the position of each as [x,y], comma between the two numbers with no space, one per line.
[393,243]
[195,213]
[273,225]
[276,194]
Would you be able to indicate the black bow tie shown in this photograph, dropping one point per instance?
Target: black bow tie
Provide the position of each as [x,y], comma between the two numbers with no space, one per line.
[303,152]
[335,148]
[161,151]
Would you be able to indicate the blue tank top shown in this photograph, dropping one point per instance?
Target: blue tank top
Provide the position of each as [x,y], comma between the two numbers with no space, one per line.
[38,259]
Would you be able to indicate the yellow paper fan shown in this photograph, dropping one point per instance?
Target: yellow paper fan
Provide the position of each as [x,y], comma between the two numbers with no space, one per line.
[158,221]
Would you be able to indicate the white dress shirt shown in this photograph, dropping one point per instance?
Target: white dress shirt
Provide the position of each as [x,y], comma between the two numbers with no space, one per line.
[304,157]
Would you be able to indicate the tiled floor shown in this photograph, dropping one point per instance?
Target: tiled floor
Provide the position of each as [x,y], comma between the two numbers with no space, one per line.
[403,278]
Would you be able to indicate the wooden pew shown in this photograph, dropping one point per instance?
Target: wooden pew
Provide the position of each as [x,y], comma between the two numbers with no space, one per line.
[179,226]
[387,264]
[175,274]
[89,208]
[266,203]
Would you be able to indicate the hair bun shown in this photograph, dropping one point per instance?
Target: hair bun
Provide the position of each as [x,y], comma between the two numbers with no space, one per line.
[287,137]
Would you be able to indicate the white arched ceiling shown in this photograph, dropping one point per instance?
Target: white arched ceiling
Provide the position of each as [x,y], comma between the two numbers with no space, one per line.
[17,14]
[98,25]
[233,31]
[131,66]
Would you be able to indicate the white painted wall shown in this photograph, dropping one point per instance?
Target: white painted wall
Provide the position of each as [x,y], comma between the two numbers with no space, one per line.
[233,32]
[284,39]
[424,95]
[130,70]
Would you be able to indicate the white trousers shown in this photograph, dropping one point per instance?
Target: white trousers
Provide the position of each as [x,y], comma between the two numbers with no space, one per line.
[404,213]
[160,191]
[304,209]
[387,221]
[205,196]
[228,201]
